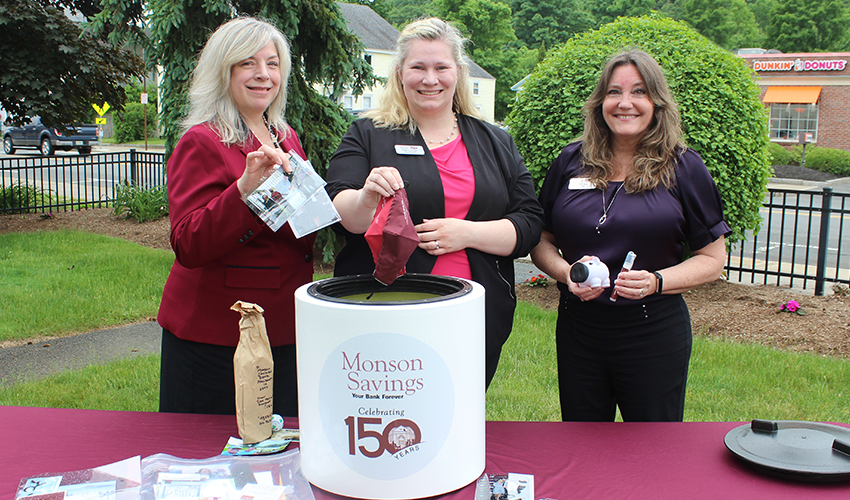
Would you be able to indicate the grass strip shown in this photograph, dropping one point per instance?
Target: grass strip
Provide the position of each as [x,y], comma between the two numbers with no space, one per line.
[62,282]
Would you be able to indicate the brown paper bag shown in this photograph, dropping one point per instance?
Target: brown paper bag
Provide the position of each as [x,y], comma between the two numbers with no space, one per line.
[253,370]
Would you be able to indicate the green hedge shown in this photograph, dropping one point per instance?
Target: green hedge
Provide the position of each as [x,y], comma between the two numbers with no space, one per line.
[834,161]
[130,124]
[723,118]
[831,160]
[781,156]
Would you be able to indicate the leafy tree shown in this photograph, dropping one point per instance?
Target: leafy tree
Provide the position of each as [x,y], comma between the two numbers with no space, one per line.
[801,26]
[130,123]
[400,12]
[728,23]
[51,69]
[487,23]
[606,11]
[763,11]
[549,22]
[722,116]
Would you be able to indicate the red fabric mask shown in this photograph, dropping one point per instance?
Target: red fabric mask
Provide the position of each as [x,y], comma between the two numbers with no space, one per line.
[391,237]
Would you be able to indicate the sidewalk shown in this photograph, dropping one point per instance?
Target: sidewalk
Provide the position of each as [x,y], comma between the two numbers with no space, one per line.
[39,359]
[120,148]
[841,185]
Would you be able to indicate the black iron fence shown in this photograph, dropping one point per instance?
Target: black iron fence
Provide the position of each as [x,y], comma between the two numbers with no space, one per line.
[800,244]
[74,182]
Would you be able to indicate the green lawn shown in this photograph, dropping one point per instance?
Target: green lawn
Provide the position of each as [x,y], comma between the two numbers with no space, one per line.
[70,282]
[62,282]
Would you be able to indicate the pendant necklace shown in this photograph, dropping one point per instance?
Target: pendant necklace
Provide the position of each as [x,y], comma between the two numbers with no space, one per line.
[606,209]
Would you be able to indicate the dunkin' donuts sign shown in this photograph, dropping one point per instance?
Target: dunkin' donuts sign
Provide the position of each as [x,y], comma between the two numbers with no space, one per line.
[800,65]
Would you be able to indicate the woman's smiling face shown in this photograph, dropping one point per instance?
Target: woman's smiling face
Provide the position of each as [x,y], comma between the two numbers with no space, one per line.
[255,82]
[627,108]
[429,76]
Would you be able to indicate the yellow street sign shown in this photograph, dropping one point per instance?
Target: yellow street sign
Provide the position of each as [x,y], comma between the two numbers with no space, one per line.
[100,121]
[101,110]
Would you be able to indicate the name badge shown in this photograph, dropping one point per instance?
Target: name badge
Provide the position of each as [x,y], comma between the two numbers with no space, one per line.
[581,183]
[409,150]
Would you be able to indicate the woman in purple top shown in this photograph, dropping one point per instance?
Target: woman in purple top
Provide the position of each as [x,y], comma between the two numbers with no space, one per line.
[629,185]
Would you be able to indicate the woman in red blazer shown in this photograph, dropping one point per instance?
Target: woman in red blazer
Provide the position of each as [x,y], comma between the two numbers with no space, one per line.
[234,134]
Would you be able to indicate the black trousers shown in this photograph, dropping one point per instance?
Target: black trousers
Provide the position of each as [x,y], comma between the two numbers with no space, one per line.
[198,378]
[634,357]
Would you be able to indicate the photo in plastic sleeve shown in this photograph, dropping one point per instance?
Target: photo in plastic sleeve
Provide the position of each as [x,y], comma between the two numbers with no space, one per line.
[116,481]
[276,199]
[318,212]
[510,486]
[282,195]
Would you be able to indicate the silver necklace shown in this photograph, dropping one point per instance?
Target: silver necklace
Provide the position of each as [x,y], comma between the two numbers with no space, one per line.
[606,209]
[447,138]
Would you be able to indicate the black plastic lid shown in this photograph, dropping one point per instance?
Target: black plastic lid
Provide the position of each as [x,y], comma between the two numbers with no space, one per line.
[802,451]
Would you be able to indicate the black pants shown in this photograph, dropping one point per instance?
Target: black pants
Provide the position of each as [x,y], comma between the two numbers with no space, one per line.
[634,357]
[198,378]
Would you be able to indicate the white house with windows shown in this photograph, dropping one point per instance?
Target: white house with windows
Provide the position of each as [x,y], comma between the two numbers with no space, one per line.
[379,37]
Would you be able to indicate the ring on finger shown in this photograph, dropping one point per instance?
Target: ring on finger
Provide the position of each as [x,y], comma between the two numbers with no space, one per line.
[436,245]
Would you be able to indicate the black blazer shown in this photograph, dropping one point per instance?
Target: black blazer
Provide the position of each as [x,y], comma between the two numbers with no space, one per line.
[503,189]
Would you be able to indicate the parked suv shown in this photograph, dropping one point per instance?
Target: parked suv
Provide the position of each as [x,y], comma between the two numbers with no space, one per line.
[47,140]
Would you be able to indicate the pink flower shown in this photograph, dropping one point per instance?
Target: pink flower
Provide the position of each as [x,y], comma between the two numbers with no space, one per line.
[792,305]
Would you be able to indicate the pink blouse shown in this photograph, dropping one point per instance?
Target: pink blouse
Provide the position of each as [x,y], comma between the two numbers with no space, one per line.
[458,180]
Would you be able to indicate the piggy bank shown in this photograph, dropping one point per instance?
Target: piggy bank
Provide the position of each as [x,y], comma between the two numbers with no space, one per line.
[591,273]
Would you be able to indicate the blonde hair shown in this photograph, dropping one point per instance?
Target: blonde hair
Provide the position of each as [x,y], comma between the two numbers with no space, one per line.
[393,111]
[210,100]
[658,150]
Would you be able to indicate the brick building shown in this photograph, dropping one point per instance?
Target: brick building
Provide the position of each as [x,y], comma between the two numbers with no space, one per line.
[808,95]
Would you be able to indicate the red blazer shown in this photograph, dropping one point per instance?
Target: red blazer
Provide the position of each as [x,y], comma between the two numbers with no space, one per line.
[223,252]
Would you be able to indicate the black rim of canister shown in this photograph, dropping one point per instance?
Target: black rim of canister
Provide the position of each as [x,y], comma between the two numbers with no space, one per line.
[443,287]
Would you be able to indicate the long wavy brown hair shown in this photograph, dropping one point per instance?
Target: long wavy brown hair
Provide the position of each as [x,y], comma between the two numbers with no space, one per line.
[654,162]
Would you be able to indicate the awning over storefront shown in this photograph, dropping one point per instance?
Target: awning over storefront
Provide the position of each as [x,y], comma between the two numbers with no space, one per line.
[795,95]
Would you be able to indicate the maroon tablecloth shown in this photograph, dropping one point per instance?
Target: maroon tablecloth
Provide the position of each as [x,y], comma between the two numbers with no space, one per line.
[568,460]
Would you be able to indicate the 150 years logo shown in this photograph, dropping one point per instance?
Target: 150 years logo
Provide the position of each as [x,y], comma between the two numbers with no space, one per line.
[389,400]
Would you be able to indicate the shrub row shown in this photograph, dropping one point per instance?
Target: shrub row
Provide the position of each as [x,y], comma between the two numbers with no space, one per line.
[139,203]
[833,161]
